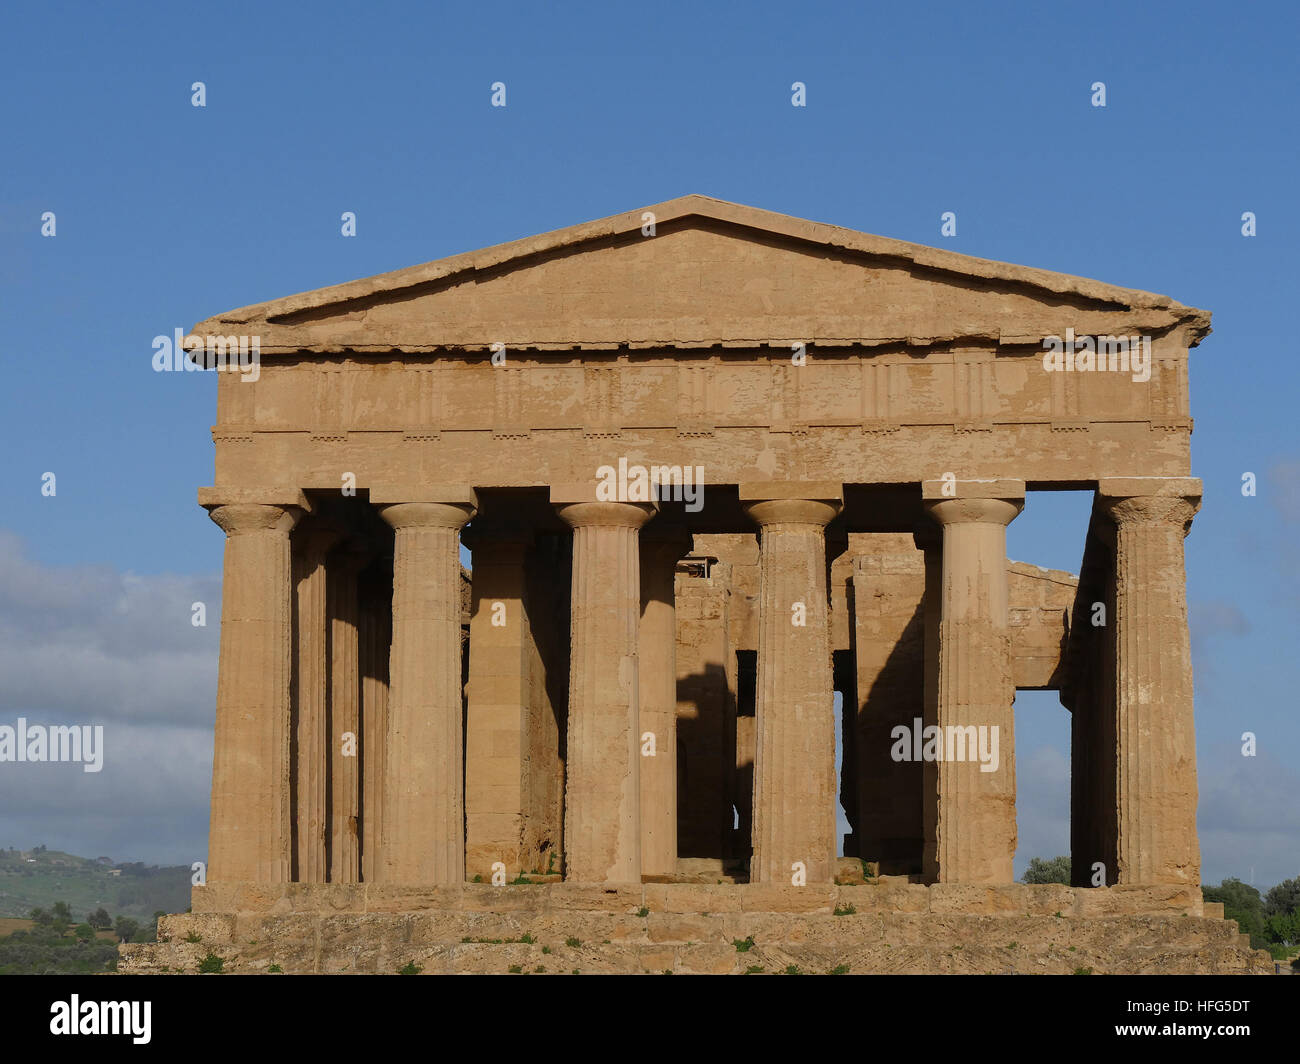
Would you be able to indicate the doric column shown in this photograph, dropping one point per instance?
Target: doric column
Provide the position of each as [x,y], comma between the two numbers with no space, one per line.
[250,835]
[794,766]
[661,549]
[1155,746]
[344,759]
[423,818]
[929,539]
[376,637]
[311,697]
[975,825]
[498,694]
[602,829]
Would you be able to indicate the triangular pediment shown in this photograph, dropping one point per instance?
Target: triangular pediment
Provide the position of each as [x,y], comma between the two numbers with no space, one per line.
[713,273]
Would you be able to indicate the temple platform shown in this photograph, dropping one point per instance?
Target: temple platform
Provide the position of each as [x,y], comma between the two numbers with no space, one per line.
[885,926]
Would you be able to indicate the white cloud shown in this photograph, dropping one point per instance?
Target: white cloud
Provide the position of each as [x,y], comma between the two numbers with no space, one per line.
[88,645]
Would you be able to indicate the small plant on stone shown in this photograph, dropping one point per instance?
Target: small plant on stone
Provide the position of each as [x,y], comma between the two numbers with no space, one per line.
[743,945]
[1058,915]
[643,911]
[845,910]
[275,969]
[1012,945]
[574,972]
[1082,971]
[192,937]
[539,970]
[792,969]
[409,968]
[1072,949]
[668,971]
[839,969]
[754,969]
[527,939]
[573,943]
[516,969]
[546,949]
[211,964]
[521,880]
[550,863]
[478,878]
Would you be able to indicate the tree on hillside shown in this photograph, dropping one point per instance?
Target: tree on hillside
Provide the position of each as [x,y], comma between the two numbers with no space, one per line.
[1283,928]
[61,911]
[83,932]
[41,917]
[125,928]
[1284,898]
[100,919]
[1055,870]
[1241,902]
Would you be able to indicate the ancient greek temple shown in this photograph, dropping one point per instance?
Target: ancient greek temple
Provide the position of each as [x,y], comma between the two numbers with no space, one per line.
[553,557]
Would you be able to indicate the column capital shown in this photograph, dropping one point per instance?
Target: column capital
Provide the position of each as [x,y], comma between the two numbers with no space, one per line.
[404,515]
[974,511]
[992,501]
[238,518]
[318,539]
[791,502]
[239,510]
[607,514]
[1150,500]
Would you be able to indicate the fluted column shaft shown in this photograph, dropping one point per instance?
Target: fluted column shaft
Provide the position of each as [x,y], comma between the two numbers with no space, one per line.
[602,830]
[1155,745]
[250,831]
[794,764]
[376,628]
[344,759]
[975,825]
[658,698]
[312,694]
[423,817]
[930,540]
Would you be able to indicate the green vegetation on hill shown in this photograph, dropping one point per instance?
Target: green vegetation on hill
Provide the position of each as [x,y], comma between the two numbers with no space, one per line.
[43,950]
[1272,921]
[36,879]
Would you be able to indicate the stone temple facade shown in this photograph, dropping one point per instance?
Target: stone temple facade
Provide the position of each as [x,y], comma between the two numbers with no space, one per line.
[713,465]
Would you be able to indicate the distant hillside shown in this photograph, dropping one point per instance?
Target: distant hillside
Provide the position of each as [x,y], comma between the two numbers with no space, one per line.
[38,878]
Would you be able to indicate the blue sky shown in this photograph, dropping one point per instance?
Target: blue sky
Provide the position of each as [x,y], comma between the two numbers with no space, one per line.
[168,213]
